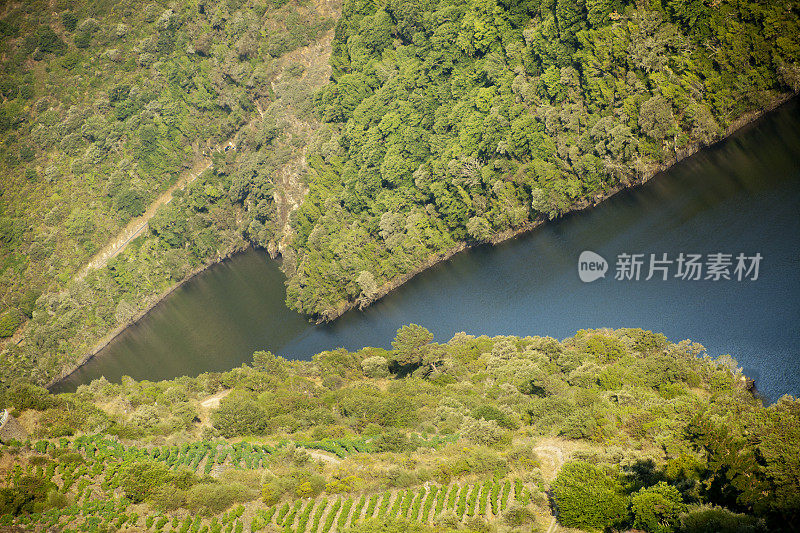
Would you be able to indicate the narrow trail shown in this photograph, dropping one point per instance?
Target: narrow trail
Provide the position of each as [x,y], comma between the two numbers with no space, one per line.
[138,225]
[212,402]
[555,456]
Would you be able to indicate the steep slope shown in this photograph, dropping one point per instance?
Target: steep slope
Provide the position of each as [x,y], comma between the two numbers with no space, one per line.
[455,123]
[607,429]
[128,100]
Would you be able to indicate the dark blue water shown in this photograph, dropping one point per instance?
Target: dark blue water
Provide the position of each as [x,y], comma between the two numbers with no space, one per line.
[742,196]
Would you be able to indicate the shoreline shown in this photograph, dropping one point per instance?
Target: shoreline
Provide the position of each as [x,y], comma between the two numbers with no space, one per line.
[331,314]
[157,299]
[737,125]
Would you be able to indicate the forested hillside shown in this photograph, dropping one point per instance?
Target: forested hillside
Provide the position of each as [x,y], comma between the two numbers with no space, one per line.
[465,121]
[610,429]
[444,125]
[105,105]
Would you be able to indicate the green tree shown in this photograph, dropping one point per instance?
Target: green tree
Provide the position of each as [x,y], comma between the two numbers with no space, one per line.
[9,322]
[587,497]
[266,361]
[375,367]
[238,414]
[655,117]
[656,509]
[409,345]
[24,495]
[69,20]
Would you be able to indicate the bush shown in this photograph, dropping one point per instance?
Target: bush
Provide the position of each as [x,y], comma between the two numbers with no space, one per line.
[9,322]
[375,367]
[490,412]
[45,41]
[656,509]
[214,498]
[130,202]
[393,441]
[139,480]
[69,20]
[481,431]
[719,520]
[516,515]
[586,497]
[24,495]
[26,396]
[239,414]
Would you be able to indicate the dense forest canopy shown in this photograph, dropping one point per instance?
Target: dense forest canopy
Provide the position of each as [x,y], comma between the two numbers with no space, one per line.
[462,121]
[469,434]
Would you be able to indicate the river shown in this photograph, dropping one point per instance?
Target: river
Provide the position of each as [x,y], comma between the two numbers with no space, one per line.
[740,196]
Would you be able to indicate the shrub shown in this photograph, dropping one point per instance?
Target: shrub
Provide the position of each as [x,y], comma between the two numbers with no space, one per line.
[656,509]
[481,431]
[375,367]
[69,20]
[516,515]
[213,498]
[140,479]
[45,41]
[490,412]
[586,497]
[9,322]
[706,519]
[239,414]
[24,495]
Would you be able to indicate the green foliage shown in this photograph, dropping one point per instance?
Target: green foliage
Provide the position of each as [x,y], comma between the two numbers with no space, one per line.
[706,519]
[657,508]
[104,109]
[587,497]
[44,41]
[375,367]
[140,479]
[238,414]
[25,495]
[409,346]
[483,117]
[9,322]
[69,20]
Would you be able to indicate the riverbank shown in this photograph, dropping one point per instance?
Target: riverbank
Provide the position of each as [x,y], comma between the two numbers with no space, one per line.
[149,306]
[431,261]
[737,125]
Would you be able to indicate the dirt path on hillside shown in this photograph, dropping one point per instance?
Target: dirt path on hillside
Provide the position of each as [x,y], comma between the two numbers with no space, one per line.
[138,225]
[555,456]
[212,402]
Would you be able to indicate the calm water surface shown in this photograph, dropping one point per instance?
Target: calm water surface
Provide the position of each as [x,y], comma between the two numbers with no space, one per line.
[740,196]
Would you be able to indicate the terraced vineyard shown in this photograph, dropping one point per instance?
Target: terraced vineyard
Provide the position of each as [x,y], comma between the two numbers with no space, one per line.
[86,469]
[427,504]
